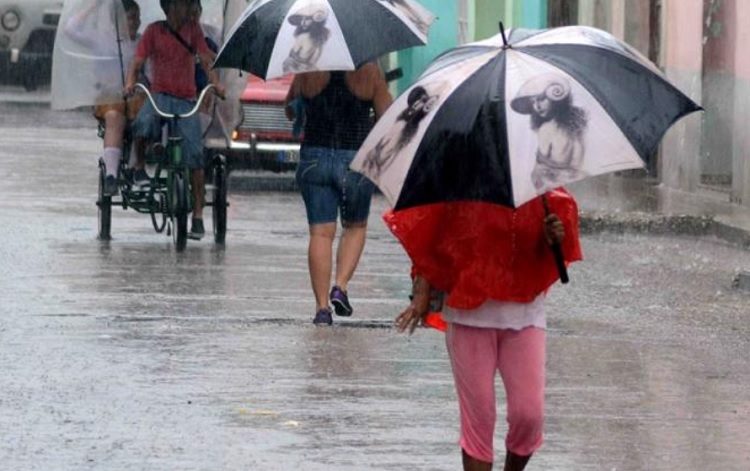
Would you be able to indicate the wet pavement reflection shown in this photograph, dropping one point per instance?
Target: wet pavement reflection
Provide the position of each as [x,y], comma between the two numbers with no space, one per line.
[127,355]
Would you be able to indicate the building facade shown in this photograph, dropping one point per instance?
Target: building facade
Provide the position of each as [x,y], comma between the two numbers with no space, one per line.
[697,43]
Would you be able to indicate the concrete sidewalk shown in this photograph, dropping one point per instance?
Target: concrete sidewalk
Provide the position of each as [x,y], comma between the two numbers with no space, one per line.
[608,203]
[623,204]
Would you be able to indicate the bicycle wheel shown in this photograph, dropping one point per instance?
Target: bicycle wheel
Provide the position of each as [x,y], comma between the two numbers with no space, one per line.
[104,203]
[220,200]
[179,211]
[159,216]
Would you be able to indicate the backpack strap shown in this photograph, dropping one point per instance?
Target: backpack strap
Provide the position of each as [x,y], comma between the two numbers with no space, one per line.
[181,40]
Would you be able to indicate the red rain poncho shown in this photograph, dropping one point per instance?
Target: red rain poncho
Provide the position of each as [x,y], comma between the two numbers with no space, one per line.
[474,251]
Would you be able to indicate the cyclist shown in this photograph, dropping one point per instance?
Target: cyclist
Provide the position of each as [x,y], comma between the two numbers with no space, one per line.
[173,47]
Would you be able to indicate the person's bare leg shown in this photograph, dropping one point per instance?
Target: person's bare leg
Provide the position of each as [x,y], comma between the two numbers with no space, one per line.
[515,462]
[350,249]
[473,464]
[197,180]
[319,259]
[114,128]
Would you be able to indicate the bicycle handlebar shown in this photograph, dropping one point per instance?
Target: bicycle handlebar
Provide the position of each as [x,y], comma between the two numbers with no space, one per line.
[190,113]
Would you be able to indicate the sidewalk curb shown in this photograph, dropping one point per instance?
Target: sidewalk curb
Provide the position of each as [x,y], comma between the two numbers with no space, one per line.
[645,223]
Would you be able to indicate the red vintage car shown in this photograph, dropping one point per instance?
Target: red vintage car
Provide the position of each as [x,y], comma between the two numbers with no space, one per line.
[263,138]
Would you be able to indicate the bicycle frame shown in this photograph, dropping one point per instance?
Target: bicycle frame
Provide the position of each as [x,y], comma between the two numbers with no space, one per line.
[174,190]
[174,145]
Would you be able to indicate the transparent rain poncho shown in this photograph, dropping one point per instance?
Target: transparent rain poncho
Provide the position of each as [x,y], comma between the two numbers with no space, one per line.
[217,19]
[93,51]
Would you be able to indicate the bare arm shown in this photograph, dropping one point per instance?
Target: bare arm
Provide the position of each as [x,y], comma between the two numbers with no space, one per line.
[293,93]
[373,86]
[207,59]
[382,98]
[420,303]
[133,71]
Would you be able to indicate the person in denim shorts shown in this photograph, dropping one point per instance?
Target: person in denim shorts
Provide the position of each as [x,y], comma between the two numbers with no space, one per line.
[338,113]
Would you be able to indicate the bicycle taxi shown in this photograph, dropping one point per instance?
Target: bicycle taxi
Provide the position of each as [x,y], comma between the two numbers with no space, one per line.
[94,45]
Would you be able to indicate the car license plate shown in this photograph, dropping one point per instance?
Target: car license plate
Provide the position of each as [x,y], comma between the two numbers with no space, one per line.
[288,156]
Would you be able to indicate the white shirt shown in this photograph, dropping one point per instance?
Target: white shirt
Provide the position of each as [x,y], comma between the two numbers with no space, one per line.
[500,315]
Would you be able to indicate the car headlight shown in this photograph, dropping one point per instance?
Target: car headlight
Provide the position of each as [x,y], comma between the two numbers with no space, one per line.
[10,20]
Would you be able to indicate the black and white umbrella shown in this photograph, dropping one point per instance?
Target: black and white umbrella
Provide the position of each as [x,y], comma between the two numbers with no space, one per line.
[505,120]
[277,37]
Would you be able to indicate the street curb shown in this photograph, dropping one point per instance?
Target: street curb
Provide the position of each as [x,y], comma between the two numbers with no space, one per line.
[646,223]
[590,222]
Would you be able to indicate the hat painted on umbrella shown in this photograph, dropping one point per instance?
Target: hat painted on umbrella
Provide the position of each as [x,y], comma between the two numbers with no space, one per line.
[317,12]
[553,86]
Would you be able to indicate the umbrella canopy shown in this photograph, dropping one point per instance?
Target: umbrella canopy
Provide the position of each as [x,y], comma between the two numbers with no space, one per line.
[504,120]
[277,37]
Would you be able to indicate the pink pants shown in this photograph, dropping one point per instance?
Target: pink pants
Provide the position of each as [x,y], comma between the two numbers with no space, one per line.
[476,354]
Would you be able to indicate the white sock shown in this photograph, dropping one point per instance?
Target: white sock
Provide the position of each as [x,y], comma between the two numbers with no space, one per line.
[112,156]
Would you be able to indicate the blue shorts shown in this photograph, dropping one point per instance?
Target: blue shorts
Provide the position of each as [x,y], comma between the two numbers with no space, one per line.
[327,186]
[148,125]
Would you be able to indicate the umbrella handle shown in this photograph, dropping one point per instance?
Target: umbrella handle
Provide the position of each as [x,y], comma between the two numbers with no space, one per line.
[560,262]
[557,251]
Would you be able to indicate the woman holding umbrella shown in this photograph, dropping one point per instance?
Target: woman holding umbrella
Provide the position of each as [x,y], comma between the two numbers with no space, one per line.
[477,204]
[330,46]
[337,108]
[485,335]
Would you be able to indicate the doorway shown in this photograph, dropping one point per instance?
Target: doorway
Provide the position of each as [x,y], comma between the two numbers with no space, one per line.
[562,13]
[718,92]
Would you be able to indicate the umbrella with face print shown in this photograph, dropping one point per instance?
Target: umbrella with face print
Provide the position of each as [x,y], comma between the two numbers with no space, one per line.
[277,37]
[507,119]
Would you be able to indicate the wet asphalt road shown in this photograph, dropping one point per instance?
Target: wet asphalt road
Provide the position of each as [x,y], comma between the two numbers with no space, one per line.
[125,355]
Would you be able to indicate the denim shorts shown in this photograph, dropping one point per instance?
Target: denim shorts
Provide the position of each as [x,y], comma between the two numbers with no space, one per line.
[329,186]
[148,125]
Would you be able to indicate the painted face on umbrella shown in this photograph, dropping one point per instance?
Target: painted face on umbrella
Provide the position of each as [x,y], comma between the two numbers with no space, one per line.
[308,20]
[310,36]
[541,105]
[306,23]
[559,126]
[420,104]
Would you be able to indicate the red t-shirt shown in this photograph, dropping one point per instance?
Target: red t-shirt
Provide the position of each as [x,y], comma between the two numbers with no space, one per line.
[172,65]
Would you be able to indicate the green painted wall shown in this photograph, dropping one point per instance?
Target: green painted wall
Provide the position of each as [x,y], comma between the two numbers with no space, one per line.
[443,36]
[513,13]
[484,19]
[532,14]
[488,13]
